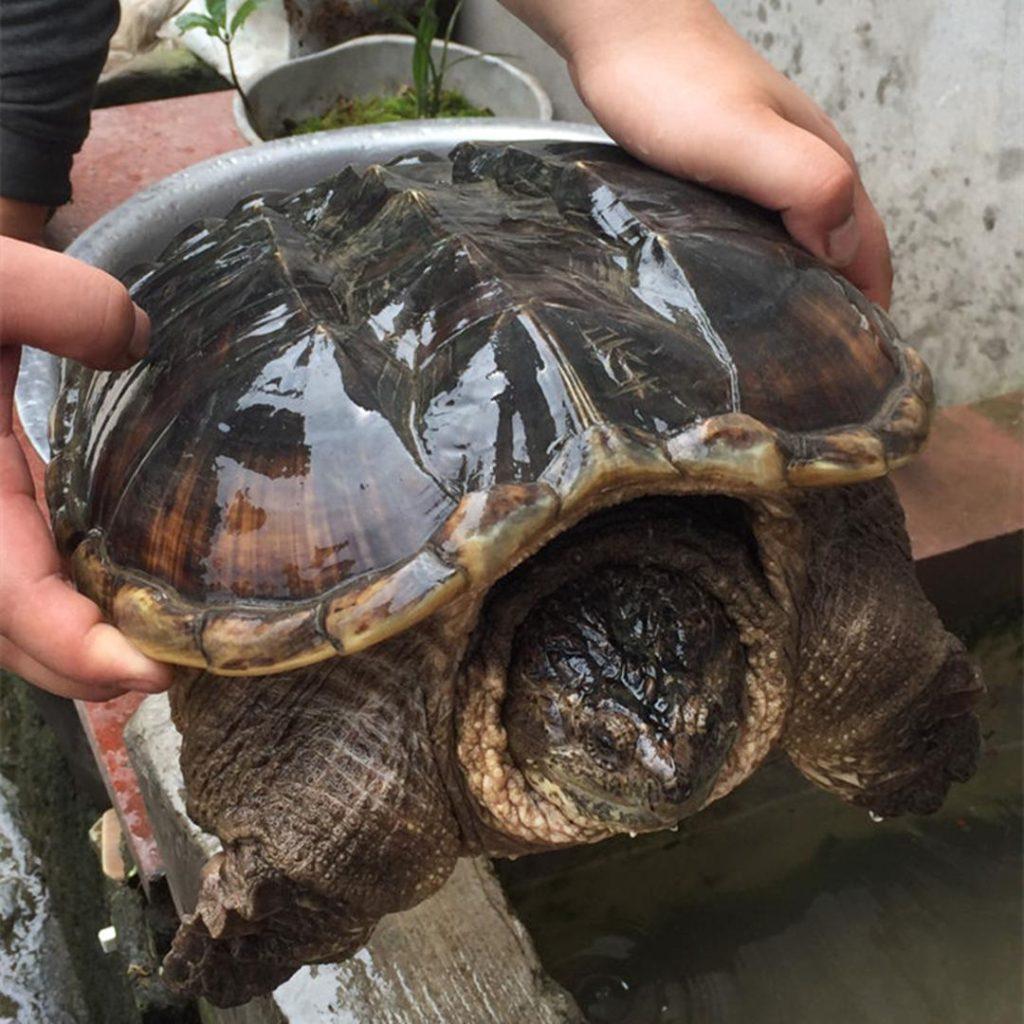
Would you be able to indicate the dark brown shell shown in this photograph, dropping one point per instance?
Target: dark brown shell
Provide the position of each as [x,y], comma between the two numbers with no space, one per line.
[370,397]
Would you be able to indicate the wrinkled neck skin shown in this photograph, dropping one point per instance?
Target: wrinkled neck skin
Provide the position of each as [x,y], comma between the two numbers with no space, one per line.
[631,674]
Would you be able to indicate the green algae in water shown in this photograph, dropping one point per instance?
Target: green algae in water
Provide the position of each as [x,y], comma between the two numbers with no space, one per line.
[381,109]
[782,905]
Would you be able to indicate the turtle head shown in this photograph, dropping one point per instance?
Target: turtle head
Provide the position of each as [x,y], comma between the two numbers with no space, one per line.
[624,697]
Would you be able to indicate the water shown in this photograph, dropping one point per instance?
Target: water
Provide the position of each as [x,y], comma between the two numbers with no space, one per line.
[780,904]
[36,981]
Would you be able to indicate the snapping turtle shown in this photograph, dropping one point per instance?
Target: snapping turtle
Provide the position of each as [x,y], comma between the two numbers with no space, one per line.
[495,503]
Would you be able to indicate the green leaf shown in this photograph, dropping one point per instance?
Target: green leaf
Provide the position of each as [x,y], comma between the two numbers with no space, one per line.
[398,18]
[442,70]
[218,10]
[401,21]
[421,78]
[426,26]
[422,59]
[453,17]
[190,21]
[242,14]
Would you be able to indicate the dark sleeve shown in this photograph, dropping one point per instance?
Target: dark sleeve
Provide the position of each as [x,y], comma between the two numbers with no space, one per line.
[52,54]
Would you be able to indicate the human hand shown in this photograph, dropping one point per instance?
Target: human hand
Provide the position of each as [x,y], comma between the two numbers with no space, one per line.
[50,634]
[671,82]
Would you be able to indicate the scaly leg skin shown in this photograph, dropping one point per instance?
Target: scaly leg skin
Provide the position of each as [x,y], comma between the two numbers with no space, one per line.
[883,696]
[323,788]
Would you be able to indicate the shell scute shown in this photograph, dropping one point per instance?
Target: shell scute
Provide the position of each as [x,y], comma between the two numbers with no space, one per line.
[363,616]
[733,451]
[159,623]
[243,641]
[606,459]
[490,529]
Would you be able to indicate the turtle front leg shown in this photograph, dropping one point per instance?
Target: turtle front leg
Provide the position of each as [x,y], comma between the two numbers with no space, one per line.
[325,793]
[882,709]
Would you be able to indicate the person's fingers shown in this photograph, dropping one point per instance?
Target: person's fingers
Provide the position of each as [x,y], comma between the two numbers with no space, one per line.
[15,660]
[796,106]
[57,303]
[41,615]
[758,154]
[871,268]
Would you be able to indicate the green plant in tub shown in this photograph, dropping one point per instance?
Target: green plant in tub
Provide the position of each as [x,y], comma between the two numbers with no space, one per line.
[379,109]
[427,97]
[428,74]
[216,23]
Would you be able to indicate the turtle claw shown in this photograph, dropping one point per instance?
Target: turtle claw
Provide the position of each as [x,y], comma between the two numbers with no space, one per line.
[226,972]
[957,743]
[251,932]
[945,744]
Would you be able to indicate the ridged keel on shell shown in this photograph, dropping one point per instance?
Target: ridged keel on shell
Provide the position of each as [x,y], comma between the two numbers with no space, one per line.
[369,397]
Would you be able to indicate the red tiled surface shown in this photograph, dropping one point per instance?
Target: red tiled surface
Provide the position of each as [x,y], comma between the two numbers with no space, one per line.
[104,728]
[967,487]
[130,147]
[968,484]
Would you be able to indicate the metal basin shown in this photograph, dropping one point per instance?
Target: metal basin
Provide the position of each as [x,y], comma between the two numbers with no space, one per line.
[137,231]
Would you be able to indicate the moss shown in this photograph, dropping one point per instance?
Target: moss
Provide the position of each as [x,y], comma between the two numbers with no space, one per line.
[56,819]
[1006,411]
[380,109]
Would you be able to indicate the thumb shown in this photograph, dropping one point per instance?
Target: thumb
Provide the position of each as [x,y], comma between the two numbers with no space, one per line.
[54,302]
[758,154]
[779,165]
[815,190]
[822,200]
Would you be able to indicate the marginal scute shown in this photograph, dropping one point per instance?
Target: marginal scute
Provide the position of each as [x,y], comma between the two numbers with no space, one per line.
[605,458]
[488,529]
[919,377]
[733,450]
[243,641]
[90,570]
[159,624]
[843,458]
[905,429]
[365,616]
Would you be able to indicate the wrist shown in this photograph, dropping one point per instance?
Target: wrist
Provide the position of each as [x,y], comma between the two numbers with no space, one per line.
[24,221]
[589,31]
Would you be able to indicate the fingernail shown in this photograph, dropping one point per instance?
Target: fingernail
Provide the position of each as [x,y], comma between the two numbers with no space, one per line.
[843,242]
[139,344]
[139,672]
[143,685]
[97,696]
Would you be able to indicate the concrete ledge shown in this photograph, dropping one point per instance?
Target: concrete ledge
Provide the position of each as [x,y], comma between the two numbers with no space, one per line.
[460,957]
[964,502]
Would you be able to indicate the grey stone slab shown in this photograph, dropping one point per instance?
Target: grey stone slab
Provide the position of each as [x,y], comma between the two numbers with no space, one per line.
[460,957]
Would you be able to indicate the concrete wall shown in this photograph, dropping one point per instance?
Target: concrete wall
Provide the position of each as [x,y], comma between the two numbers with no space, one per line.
[930,95]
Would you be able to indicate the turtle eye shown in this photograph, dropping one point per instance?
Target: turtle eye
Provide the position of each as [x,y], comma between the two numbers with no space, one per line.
[606,749]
